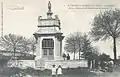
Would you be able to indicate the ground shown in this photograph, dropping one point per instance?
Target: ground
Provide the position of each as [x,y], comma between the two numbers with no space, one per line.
[78,72]
[115,73]
[47,73]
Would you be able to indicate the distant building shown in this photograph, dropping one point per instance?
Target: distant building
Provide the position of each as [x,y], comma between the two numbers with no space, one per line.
[49,37]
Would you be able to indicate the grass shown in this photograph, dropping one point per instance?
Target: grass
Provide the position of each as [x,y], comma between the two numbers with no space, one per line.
[71,72]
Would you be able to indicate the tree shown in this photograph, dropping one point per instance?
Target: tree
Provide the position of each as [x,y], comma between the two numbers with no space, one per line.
[25,46]
[104,58]
[32,45]
[106,25]
[70,45]
[77,42]
[86,46]
[14,43]
[92,56]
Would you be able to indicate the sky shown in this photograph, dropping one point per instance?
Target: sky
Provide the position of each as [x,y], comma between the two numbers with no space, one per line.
[23,21]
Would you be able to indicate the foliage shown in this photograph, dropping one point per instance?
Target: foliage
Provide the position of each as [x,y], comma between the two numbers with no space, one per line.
[104,60]
[92,56]
[106,25]
[104,57]
[15,43]
[78,42]
[32,45]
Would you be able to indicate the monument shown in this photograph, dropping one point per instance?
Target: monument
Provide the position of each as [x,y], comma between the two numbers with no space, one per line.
[48,37]
[48,46]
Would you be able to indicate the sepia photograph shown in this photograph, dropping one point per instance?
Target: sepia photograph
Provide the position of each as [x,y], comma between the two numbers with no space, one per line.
[59,38]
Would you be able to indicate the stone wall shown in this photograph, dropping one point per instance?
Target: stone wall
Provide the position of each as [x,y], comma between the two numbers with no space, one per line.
[66,63]
[23,64]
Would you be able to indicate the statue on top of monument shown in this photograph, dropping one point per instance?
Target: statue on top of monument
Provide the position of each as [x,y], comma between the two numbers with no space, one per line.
[49,6]
[49,13]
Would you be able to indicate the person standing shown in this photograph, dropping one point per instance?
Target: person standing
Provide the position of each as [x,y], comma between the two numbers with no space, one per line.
[53,71]
[68,57]
[59,71]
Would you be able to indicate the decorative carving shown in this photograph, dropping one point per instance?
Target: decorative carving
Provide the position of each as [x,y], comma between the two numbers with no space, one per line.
[59,37]
[39,17]
[56,17]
